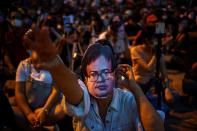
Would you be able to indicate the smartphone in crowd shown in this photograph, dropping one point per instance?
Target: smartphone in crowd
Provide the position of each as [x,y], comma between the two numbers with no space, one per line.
[68,20]
[160,28]
[124,72]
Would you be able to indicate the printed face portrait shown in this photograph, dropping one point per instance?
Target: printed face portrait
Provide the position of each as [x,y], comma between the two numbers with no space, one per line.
[100,78]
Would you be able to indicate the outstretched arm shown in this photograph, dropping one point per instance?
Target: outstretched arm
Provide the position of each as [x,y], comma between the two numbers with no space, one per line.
[23,104]
[67,82]
[40,41]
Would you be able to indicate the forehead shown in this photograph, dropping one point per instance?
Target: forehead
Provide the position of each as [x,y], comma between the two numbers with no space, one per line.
[99,64]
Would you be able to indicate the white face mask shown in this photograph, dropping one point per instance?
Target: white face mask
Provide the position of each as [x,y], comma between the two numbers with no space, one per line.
[17,22]
[164,17]
[39,12]
[106,22]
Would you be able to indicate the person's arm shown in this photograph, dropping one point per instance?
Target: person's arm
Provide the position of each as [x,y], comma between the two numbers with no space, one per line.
[21,98]
[48,59]
[23,104]
[67,82]
[150,119]
[52,99]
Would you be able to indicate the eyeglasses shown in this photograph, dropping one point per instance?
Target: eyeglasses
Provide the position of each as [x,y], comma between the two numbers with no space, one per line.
[106,74]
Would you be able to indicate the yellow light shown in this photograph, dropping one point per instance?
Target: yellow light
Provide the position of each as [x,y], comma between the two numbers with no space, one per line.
[75,55]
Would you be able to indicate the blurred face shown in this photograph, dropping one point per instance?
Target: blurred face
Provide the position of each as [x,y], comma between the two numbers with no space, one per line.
[116,19]
[100,78]
[181,27]
[121,31]
[116,23]
[34,57]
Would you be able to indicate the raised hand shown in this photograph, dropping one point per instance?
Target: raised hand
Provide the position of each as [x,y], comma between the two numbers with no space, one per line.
[33,120]
[124,71]
[39,40]
[41,115]
[124,77]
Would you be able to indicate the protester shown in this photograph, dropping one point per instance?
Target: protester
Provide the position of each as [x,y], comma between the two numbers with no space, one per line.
[37,98]
[97,104]
[17,16]
[117,36]
[145,55]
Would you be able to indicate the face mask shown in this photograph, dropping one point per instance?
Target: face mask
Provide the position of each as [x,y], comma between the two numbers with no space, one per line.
[164,17]
[38,12]
[17,23]
[29,52]
[106,22]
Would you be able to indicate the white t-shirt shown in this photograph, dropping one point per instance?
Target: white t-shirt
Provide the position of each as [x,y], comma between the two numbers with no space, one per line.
[38,84]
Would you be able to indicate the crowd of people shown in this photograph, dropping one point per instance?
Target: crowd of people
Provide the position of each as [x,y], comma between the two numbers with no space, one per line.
[93,60]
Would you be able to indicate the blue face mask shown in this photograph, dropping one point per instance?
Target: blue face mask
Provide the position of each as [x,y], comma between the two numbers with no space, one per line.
[29,52]
[17,22]
[106,22]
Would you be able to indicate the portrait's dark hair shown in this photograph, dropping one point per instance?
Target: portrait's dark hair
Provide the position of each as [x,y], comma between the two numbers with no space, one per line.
[99,48]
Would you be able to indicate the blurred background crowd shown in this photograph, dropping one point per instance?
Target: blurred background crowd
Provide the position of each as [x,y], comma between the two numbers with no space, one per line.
[90,18]
[82,22]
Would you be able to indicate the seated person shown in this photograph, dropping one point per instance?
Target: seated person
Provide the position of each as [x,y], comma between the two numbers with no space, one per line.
[144,60]
[37,98]
[96,103]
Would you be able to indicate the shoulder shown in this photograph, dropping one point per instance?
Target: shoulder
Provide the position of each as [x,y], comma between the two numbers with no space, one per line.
[136,50]
[22,70]
[124,95]
[24,63]
[103,35]
[124,100]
